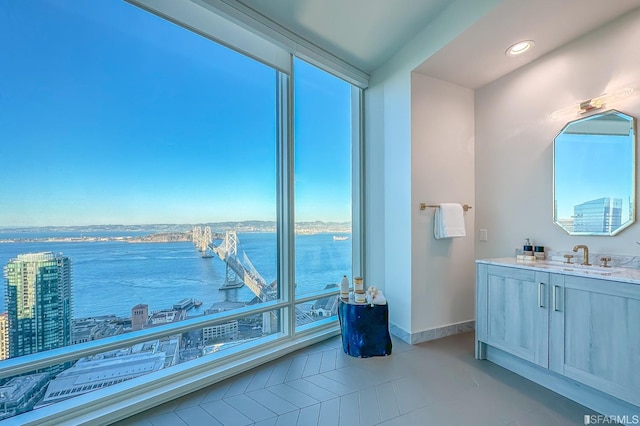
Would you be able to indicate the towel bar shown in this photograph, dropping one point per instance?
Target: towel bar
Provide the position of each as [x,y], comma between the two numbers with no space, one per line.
[465,207]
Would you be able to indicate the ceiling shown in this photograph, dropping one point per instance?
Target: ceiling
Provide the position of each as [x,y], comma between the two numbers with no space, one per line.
[367,33]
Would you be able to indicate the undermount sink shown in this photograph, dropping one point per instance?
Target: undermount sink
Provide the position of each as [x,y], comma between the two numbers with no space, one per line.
[584,269]
[590,269]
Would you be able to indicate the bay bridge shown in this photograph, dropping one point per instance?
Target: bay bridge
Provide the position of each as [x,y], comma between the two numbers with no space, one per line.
[239,269]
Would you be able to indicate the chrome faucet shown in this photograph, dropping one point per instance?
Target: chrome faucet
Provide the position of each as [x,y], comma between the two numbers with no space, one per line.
[586,253]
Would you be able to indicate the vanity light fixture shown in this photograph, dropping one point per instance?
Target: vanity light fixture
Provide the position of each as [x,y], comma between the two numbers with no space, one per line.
[519,48]
[600,101]
[592,104]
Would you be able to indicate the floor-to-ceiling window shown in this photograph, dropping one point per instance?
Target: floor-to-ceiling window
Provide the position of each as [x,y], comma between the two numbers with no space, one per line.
[143,199]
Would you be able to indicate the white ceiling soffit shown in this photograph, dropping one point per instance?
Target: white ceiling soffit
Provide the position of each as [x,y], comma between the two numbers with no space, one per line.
[364,33]
[477,56]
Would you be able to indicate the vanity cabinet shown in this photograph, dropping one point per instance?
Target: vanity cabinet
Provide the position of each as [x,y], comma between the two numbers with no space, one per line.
[595,334]
[579,336]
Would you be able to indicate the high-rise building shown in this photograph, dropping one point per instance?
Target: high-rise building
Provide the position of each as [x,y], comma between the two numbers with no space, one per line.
[39,302]
[602,216]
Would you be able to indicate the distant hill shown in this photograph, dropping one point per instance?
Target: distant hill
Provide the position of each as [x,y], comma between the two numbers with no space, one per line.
[152,229]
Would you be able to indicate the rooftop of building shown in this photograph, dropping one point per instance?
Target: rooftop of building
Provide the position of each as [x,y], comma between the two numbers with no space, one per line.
[17,387]
[88,375]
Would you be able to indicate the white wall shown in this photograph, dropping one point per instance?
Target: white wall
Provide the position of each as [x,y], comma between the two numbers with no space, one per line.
[388,175]
[442,170]
[514,138]
[397,202]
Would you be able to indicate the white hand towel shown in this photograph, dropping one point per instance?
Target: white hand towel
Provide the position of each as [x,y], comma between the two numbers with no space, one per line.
[449,221]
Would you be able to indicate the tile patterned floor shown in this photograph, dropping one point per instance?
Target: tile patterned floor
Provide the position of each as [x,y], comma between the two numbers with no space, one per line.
[433,383]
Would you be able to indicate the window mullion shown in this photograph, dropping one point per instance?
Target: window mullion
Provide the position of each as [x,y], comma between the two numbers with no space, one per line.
[357,181]
[286,222]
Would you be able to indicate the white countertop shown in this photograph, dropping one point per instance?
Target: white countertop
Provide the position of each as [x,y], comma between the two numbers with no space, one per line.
[625,275]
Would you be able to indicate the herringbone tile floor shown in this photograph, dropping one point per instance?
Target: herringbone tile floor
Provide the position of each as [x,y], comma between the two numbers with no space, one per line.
[432,383]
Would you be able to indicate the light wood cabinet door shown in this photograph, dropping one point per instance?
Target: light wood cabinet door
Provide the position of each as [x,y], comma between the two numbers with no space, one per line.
[513,312]
[595,334]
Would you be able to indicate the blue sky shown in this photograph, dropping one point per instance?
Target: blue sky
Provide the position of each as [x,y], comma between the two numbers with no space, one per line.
[593,167]
[110,115]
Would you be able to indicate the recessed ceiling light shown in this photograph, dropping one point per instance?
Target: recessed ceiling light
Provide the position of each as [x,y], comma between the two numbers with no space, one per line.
[520,47]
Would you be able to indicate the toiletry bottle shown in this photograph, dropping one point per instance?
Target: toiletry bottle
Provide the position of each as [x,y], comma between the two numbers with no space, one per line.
[344,287]
[528,248]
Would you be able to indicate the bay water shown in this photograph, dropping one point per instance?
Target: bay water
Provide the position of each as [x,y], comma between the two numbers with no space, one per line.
[110,277]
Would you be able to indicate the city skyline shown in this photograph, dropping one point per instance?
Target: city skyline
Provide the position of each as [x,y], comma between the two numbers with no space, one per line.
[103,369]
[114,116]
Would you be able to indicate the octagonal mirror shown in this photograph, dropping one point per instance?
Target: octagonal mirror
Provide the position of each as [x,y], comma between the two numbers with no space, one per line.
[594,174]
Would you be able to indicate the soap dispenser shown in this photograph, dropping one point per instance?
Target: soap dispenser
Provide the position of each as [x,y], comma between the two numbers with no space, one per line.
[528,248]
